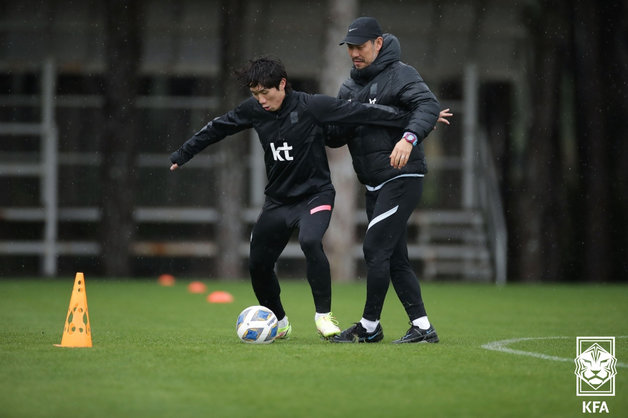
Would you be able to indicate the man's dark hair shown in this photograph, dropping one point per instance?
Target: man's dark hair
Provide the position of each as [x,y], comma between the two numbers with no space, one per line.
[264,71]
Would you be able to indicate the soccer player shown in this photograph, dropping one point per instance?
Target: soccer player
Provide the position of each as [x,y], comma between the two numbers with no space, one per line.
[392,172]
[299,192]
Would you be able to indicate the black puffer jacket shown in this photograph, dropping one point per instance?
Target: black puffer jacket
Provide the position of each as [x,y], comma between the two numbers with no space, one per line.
[388,81]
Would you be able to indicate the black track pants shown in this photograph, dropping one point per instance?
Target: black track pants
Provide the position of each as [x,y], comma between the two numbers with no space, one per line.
[269,238]
[385,247]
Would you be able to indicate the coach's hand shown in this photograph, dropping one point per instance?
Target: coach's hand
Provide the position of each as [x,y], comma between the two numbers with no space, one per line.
[400,154]
[174,166]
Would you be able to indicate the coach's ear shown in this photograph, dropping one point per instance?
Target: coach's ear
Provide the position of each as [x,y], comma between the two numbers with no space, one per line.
[282,84]
[379,42]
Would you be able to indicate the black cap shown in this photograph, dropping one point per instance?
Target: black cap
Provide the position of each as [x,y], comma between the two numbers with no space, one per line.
[361,30]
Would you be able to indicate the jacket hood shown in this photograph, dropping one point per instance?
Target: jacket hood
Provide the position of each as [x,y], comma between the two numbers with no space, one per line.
[390,52]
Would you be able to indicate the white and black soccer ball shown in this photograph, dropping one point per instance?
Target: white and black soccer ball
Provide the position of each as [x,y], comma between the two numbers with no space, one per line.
[257,325]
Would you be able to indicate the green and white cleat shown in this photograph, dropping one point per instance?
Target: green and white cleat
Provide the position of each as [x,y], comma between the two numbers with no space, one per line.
[327,326]
[283,333]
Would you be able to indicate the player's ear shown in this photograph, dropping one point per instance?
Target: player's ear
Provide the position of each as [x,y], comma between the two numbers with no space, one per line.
[282,84]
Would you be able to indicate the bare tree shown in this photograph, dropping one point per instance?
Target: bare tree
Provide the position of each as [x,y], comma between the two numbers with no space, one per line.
[119,133]
[615,18]
[600,37]
[571,223]
[340,237]
[230,196]
[540,191]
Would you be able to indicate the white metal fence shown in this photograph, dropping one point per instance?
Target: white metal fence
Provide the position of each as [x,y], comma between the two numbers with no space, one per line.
[481,204]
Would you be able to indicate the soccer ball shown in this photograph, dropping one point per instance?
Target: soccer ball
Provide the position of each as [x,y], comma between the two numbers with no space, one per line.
[257,325]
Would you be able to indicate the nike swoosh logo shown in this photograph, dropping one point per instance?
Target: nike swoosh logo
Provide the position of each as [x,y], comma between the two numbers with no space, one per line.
[351,30]
[370,337]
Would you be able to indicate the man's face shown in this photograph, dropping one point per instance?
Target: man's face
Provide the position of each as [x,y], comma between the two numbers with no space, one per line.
[363,55]
[270,98]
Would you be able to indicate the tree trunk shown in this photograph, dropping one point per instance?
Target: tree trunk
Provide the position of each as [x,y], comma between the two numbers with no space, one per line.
[118,142]
[541,197]
[340,237]
[593,140]
[615,44]
[231,152]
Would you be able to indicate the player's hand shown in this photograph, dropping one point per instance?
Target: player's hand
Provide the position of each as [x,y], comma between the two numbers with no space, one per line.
[443,115]
[400,154]
[174,166]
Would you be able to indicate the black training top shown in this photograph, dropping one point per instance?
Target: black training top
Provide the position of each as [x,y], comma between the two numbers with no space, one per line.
[292,138]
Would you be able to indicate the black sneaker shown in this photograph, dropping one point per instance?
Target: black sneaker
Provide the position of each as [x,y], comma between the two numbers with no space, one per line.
[418,335]
[357,334]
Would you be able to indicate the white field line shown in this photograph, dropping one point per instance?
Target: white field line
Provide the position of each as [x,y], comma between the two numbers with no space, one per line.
[502,346]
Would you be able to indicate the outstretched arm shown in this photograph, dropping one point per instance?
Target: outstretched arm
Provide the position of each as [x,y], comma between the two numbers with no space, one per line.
[330,110]
[228,124]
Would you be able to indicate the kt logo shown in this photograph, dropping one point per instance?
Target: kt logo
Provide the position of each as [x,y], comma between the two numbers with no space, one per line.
[281,153]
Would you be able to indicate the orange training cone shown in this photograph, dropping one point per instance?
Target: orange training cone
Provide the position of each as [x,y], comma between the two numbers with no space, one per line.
[77,332]
[220,296]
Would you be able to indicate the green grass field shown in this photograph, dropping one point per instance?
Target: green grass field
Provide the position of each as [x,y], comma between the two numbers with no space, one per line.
[163,352]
